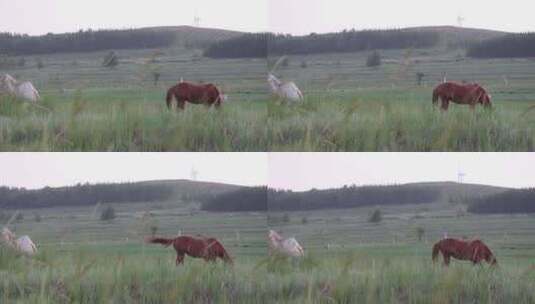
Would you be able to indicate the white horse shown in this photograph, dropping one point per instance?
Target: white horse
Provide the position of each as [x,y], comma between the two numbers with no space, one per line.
[286,91]
[22,244]
[24,90]
[289,246]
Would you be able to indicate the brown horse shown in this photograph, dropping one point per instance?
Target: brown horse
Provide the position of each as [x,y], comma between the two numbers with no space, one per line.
[475,251]
[206,94]
[208,249]
[470,94]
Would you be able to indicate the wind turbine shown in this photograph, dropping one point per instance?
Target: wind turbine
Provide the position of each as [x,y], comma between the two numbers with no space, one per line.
[194,174]
[460,176]
[460,20]
[196,20]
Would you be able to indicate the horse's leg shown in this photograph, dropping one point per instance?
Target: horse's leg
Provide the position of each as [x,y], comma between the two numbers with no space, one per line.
[446,259]
[445,104]
[181,104]
[217,103]
[179,259]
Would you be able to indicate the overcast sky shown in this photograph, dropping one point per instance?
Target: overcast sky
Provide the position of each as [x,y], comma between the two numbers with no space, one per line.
[296,171]
[42,16]
[303,171]
[36,170]
[284,16]
[305,16]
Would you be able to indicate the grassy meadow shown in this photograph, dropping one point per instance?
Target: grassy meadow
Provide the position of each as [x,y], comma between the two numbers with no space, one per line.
[83,259]
[348,106]
[88,107]
[351,107]
[350,260]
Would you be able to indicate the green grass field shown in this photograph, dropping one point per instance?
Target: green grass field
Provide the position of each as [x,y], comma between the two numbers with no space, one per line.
[93,108]
[350,260]
[85,260]
[348,107]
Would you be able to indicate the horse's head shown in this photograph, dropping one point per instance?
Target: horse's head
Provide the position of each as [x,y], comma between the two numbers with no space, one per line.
[274,236]
[273,81]
[487,100]
[7,235]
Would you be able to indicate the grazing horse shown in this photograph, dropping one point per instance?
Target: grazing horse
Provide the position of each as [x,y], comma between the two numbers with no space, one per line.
[208,249]
[207,94]
[23,90]
[470,94]
[475,251]
[22,244]
[285,91]
[289,246]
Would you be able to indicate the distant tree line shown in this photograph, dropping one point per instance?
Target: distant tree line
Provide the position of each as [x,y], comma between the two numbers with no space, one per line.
[351,197]
[84,41]
[245,46]
[508,46]
[261,45]
[262,198]
[245,199]
[511,201]
[83,195]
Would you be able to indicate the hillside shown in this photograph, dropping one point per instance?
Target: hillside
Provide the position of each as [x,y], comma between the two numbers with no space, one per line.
[90,194]
[521,45]
[196,190]
[453,35]
[456,192]
[98,40]
[348,41]
[511,201]
[191,36]
[362,196]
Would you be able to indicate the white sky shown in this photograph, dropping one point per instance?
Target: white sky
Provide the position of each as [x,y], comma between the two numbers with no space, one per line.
[296,171]
[303,171]
[305,16]
[285,16]
[56,16]
[36,170]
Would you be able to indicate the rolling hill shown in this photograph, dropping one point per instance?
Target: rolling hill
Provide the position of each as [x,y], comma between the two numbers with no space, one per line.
[453,35]
[90,194]
[362,196]
[191,34]
[98,40]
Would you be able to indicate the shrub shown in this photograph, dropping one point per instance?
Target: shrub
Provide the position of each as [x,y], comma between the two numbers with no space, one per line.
[376,216]
[107,214]
[374,59]
[111,60]
[39,63]
[420,232]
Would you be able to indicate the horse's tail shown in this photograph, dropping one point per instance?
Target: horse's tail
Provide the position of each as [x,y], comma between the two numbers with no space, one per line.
[436,250]
[163,241]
